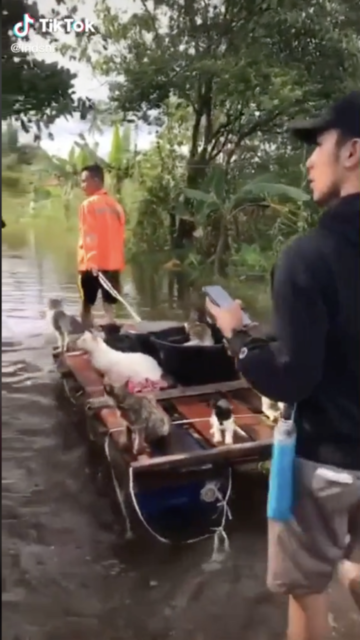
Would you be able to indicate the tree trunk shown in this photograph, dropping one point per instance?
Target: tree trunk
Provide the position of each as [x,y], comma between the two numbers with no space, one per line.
[196,174]
[172,230]
[221,245]
[184,233]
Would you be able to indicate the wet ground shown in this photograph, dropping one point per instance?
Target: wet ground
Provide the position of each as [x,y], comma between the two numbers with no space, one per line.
[67,572]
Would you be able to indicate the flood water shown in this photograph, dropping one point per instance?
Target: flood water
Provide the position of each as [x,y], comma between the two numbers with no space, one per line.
[68,573]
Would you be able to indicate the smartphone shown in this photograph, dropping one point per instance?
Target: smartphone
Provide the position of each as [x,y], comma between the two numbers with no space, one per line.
[222,299]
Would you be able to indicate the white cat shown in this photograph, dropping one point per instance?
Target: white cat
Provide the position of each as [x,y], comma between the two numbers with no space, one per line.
[118,367]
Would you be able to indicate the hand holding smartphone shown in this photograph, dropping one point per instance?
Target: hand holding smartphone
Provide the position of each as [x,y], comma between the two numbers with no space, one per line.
[222,299]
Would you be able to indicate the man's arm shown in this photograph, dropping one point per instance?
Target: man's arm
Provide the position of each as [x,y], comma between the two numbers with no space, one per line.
[288,368]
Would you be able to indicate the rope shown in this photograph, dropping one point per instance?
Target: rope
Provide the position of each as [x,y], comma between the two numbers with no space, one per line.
[104,402]
[106,284]
[218,533]
[118,492]
[67,391]
[236,428]
[239,415]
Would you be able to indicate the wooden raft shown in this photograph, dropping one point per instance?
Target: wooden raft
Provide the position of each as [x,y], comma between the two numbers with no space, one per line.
[89,379]
[192,404]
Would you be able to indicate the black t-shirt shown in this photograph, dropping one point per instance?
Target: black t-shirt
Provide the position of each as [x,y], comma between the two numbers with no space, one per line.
[314,361]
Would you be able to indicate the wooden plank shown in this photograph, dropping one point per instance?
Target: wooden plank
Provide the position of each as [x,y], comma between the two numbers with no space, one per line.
[92,383]
[235,453]
[258,429]
[201,390]
[197,410]
[90,380]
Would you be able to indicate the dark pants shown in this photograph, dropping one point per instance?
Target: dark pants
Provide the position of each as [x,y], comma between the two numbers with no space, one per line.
[90,286]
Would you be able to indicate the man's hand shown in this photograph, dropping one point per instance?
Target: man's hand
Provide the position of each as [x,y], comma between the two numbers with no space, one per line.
[229,319]
[95,272]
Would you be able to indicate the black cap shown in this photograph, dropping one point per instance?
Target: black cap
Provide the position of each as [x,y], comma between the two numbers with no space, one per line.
[344,116]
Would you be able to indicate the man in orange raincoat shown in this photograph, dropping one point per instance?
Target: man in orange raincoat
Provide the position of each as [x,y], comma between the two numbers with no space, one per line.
[101,243]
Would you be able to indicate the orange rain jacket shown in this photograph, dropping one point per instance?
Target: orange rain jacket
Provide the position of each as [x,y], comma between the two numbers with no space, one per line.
[101,234]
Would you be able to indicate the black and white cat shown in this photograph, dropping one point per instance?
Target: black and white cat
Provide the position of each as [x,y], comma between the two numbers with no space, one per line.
[223,425]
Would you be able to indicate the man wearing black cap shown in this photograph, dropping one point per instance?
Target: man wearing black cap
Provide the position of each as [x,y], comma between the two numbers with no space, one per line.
[314,364]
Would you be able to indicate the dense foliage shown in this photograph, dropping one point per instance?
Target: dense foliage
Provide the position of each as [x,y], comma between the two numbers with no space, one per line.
[236,71]
[217,80]
[35,92]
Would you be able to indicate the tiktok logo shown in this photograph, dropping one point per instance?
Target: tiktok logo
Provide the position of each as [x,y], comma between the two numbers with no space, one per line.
[22,29]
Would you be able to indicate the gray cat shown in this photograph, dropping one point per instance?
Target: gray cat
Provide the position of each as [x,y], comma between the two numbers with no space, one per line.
[64,326]
[147,420]
[198,331]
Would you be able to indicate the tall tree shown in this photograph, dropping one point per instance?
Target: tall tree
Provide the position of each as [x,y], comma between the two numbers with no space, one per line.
[243,68]
[34,91]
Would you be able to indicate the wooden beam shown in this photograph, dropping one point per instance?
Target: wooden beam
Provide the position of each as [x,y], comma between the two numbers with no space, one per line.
[235,453]
[202,390]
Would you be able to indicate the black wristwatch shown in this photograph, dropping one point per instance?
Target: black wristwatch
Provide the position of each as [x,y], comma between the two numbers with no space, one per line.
[249,338]
[237,342]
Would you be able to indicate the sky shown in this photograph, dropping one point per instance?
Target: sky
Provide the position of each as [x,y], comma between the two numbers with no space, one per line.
[66,131]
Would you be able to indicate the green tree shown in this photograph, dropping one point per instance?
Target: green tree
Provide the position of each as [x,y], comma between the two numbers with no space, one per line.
[35,92]
[217,199]
[66,172]
[160,174]
[238,76]
[16,160]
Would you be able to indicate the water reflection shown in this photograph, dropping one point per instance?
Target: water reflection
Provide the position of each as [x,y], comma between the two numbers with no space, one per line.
[156,291]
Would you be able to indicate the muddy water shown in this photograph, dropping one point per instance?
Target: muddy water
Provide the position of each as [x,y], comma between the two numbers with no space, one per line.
[68,573]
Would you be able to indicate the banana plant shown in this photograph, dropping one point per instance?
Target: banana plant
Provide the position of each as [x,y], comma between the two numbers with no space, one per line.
[119,165]
[66,172]
[86,153]
[216,200]
[120,162]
